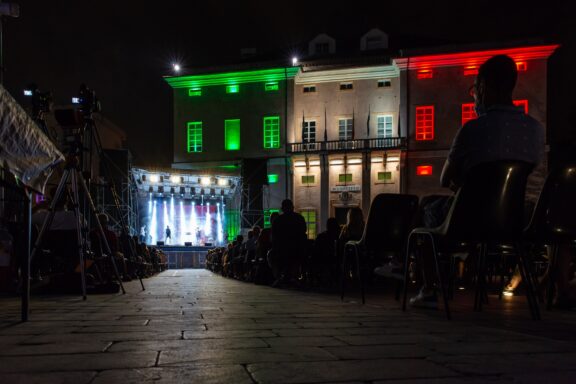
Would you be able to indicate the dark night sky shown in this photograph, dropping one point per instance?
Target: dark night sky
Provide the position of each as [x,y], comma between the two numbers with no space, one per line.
[122,48]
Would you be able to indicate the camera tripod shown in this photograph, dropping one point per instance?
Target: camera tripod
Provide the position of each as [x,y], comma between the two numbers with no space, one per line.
[72,172]
[90,126]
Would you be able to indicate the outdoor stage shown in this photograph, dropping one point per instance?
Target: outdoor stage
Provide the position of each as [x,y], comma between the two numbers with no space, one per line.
[180,257]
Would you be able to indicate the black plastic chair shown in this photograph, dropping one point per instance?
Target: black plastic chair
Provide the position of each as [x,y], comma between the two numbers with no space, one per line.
[487,209]
[554,219]
[390,220]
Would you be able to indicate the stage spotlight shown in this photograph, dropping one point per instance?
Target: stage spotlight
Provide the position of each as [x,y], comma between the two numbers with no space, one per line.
[175,179]
[176,67]
[294,61]
[154,178]
[223,182]
[205,181]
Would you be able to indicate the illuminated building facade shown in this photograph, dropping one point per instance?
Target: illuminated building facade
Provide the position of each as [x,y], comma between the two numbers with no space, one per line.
[354,126]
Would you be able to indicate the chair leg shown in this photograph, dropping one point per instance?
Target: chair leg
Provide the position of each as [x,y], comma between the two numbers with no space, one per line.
[440,280]
[343,276]
[359,273]
[526,274]
[481,278]
[406,273]
[552,271]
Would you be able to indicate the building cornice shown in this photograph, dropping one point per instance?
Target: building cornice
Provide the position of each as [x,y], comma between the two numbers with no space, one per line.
[473,58]
[231,78]
[348,74]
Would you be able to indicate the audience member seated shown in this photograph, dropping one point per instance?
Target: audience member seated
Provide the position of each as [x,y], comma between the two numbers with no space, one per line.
[324,266]
[99,248]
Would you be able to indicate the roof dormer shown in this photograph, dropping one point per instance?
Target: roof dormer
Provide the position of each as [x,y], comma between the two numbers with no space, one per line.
[374,39]
[321,45]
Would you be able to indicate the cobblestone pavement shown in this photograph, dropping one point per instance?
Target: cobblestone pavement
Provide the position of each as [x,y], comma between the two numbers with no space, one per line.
[192,326]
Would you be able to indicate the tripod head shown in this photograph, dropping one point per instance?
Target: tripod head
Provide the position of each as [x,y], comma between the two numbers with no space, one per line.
[87,101]
[41,104]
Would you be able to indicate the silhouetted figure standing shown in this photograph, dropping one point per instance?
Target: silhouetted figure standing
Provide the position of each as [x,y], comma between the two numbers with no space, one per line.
[288,243]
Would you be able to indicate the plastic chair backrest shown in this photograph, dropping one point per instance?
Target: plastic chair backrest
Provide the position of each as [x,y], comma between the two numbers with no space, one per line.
[490,204]
[555,213]
[390,220]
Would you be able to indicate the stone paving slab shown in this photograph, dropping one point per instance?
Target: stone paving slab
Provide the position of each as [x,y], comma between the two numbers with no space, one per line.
[47,378]
[195,326]
[310,372]
[212,375]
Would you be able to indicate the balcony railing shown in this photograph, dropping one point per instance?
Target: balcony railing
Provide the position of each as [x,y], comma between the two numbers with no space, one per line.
[348,145]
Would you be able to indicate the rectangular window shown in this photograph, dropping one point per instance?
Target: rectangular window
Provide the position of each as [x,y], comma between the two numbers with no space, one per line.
[425,74]
[522,103]
[425,122]
[345,129]
[197,91]
[384,83]
[384,126]
[521,66]
[468,113]
[308,179]
[346,86]
[310,219]
[271,132]
[232,88]
[470,70]
[309,88]
[194,136]
[309,134]
[232,135]
[385,177]
[424,170]
[345,178]
[272,178]
[272,86]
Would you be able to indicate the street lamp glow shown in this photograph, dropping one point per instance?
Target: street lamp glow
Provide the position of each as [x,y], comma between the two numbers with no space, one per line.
[294,61]
[176,67]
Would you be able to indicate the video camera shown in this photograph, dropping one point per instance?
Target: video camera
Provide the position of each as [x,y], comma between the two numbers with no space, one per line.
[87,100]
[40,100]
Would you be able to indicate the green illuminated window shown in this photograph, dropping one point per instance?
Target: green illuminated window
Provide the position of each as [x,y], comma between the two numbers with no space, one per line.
[272,132]
[232,135]
[272,86]
[385,176]
[197,91]
[272,178]
[308,179]
[267,214]
[194,136]
[232,88]
[310,218]
[345,178]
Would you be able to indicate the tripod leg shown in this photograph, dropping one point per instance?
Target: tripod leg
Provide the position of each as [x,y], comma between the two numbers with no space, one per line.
[101,230]
[80,244]
[50,217]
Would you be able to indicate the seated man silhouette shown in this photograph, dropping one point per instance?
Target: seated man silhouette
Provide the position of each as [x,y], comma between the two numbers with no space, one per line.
[502,131]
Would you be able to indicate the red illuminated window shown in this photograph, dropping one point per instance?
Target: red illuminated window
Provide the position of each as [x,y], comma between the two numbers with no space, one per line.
[521,66]
[470,70]
[468,113]
[425,74]
[425,122]
[424,170]
[523,104]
